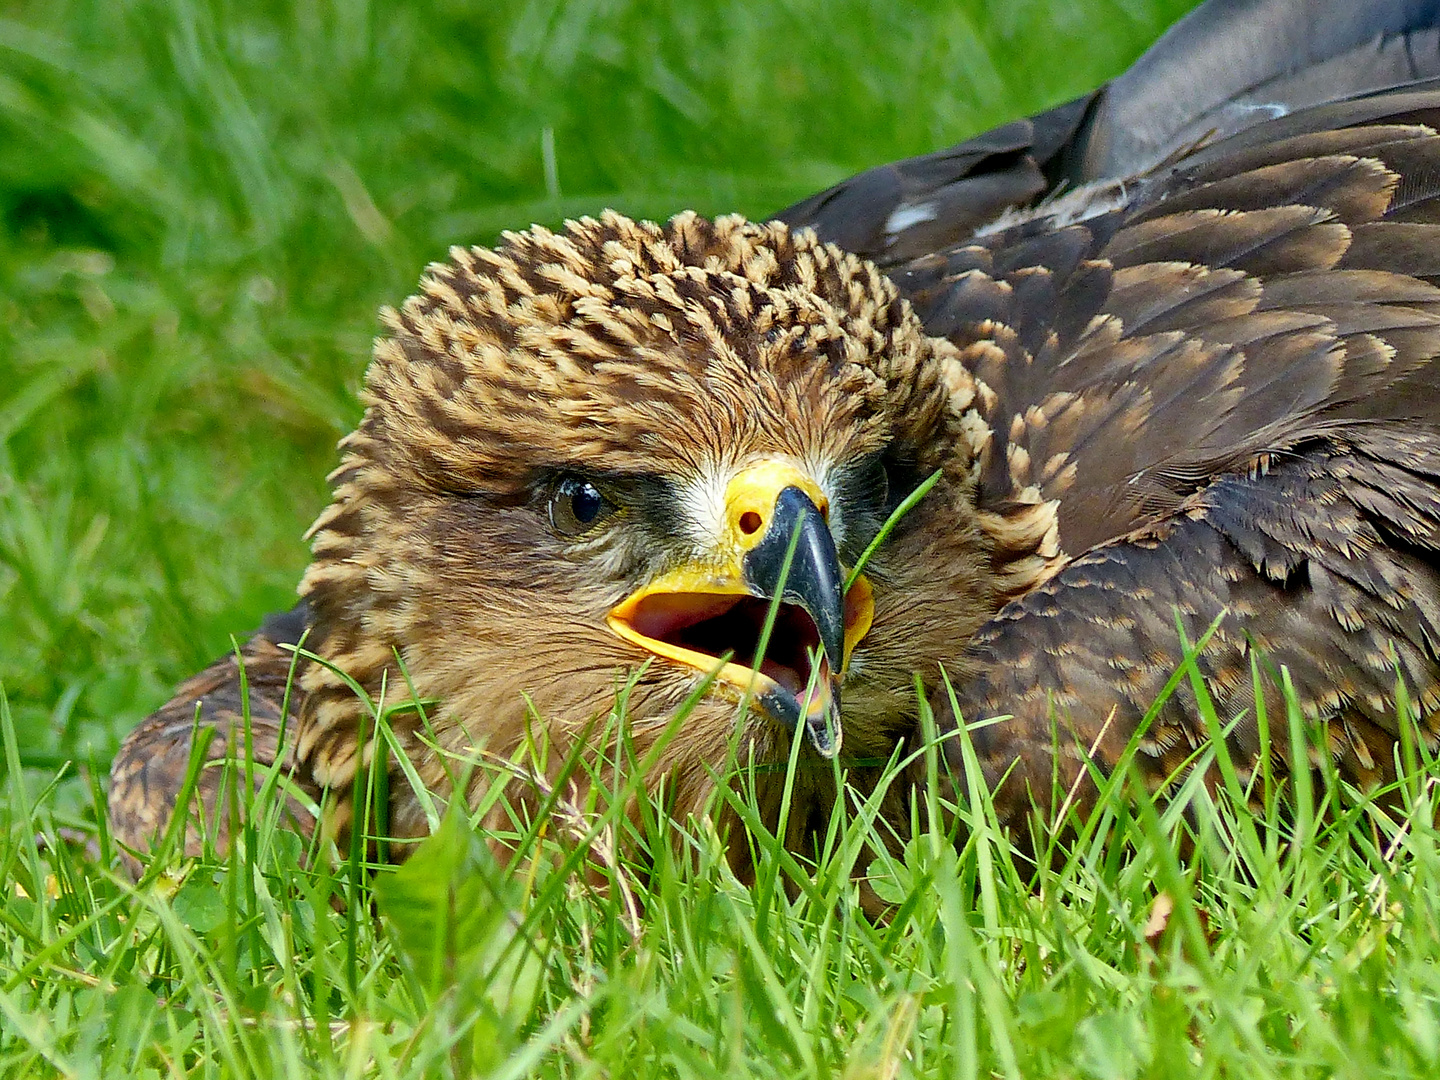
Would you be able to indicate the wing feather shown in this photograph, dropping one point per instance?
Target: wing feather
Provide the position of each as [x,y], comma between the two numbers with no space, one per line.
[148,773]
[1249,428]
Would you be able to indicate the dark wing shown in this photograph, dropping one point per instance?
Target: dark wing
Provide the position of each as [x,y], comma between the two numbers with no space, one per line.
[1230,64]
[1226,66]
[149,771]
[1229,387]
[894,212]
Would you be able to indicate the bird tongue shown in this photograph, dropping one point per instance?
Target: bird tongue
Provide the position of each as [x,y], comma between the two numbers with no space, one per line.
[787,677]
[820,712]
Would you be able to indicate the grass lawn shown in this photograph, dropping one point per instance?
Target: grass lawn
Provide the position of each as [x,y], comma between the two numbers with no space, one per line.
[202,204]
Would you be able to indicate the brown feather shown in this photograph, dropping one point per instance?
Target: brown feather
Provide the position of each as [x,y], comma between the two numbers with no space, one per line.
[149,771]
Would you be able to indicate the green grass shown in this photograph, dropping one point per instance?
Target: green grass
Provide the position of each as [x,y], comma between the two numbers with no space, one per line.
[1246,932]
[201,206]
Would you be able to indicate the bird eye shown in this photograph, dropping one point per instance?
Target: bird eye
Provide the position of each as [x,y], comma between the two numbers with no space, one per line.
[577,506]
[881,493]
[900,476]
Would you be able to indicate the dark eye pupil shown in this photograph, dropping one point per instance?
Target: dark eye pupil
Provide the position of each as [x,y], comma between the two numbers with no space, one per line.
[577,504]
[585,502]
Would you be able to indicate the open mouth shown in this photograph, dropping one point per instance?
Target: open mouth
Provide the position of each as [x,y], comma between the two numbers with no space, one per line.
[698,628]
[711,626]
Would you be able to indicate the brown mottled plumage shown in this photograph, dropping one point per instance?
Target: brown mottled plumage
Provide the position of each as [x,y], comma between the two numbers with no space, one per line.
[1210,393]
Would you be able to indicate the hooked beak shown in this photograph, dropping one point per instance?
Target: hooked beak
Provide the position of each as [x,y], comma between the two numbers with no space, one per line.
[696,614]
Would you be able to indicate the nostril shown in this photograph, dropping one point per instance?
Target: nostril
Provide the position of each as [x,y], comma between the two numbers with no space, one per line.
[750,522]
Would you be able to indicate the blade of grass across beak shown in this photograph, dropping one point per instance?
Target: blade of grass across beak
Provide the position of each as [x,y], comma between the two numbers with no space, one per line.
[771,614]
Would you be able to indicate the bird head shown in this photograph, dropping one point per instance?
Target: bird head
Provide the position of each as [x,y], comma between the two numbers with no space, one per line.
[610,456]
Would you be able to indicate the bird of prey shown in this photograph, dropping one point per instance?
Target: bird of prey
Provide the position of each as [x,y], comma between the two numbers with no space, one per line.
[1171,353]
